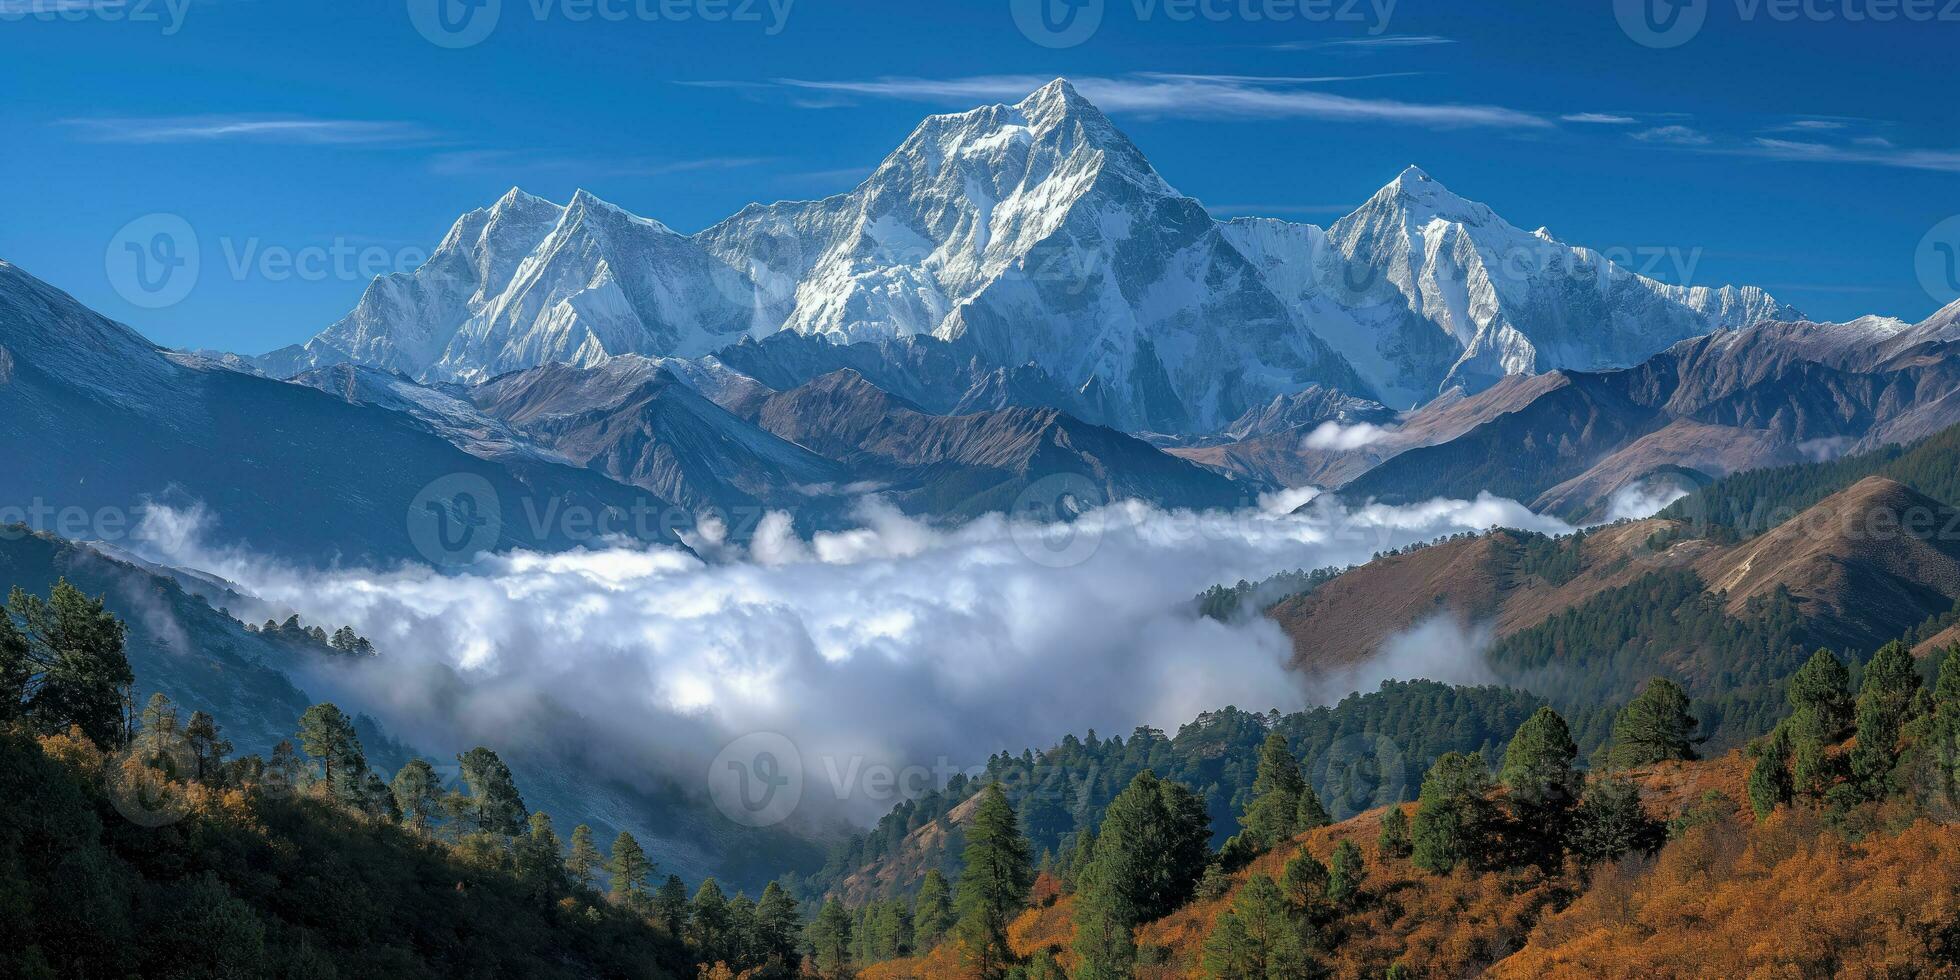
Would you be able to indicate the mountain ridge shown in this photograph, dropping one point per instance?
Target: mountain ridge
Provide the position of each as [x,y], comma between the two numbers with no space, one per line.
[1038,235]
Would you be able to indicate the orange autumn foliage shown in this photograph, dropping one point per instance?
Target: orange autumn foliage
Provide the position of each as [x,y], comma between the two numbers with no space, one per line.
[1789,897]
[1785,898]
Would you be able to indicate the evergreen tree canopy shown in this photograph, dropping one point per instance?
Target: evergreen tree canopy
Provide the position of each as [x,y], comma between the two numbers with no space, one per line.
[1274,814]
[932,913]
[1394,840]
[583,861]
[1654,727]
[1256,937]
[1885,703]
[63,665]
[993,886]
[1538,762]
[829,939]
[327,734]
[1452,816]
[495,805]
[1345,872]
[418,794]
[629,868]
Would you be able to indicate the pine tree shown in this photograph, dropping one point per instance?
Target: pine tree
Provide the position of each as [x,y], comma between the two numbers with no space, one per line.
[495,805]
[1885,704]
[1310,815]
[1081,852]
[1944,757]
[1654,727]
[1820,700]
[1345,873]
[1274,814]
[707,922]
[16,669]
[67,655]
[582,864]
[327,734]
[932,914]
[829,939]
[157,736]
[1610,822]
[670,905]
[629,869]
[1538,769]
[1394,840]
[377,801]
[417,794]
[1452,816]
[1256,938]
[1305,883]
[1769,779]
[1149,855]
[891,931]
[1541,785]
[777,929]
[208,748]
[993,886]
[738,946]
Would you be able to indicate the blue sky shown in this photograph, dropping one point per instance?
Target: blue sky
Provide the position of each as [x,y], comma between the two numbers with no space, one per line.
[1813,157]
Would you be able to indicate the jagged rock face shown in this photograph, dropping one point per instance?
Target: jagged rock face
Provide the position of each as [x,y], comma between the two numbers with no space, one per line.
[1038,238]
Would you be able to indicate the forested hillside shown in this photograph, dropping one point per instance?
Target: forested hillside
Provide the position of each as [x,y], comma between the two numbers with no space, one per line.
[1750,503]
[1650,862]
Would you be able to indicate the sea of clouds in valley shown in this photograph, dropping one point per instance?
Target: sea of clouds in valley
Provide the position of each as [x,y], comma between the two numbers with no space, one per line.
[897,644]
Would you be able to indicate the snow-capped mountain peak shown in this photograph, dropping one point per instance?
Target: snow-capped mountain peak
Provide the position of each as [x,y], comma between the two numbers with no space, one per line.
[1039,235]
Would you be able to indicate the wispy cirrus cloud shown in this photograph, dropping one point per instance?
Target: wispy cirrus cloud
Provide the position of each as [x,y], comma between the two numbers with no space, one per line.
[1674,135]
[1205,96]
[298,130]
[1881,153]
[1599,118]
[1385,41]
[473,162]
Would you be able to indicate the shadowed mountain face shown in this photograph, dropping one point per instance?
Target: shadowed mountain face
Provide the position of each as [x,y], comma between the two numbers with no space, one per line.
[94,420]
[1774,394]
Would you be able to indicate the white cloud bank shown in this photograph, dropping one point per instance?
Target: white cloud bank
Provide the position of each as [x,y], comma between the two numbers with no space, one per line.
[895,643]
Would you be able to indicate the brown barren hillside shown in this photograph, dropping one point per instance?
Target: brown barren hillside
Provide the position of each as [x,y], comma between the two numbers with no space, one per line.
[1473,580]
[1868,563]
[1876,559]
[1347,620]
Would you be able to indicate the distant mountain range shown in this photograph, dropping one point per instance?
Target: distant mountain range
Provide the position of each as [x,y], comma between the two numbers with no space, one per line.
[1037,243]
